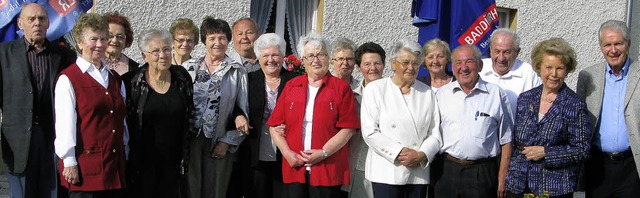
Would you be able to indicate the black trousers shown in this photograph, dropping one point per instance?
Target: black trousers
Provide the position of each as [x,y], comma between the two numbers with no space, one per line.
[611,178]
[395,191]
[477,180]
[298,190]
[96,194]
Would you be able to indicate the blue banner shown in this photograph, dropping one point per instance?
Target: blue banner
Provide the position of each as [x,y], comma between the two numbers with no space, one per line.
[62,16]
[458,22]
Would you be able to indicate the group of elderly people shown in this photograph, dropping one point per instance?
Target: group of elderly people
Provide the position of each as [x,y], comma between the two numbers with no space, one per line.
[180,126]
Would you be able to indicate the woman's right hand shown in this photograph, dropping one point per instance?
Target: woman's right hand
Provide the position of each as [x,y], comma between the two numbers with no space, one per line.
[294,159]
[71,174]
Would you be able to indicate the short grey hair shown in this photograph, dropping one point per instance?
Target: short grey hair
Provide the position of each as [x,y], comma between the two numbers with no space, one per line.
[477,54]
[614,25]
[315,40]
[147,35]
[407,45]
[506,31]
[342,44]
[269,40]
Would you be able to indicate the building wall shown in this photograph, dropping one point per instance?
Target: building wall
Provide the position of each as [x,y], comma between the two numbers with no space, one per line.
[386,21]
[575,21]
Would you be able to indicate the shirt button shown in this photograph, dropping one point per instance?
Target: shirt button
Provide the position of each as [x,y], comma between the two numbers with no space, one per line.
[113,131]
[106,93]
[111,111]
[114,150]
[393,126]
[88,151]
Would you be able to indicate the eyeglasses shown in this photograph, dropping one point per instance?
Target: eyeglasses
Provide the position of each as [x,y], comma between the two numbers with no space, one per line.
[406,64]
[181,40]
[311,57]
[341,59]
[156,52]
[118,36]
[370,64]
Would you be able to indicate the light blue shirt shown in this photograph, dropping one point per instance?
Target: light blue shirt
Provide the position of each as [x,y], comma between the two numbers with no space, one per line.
[612,132]
[474,125]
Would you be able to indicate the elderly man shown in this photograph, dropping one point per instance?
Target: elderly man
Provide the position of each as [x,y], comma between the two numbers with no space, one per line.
[611,92]
[29,67]
[505,69]
[245,32]
[476,130]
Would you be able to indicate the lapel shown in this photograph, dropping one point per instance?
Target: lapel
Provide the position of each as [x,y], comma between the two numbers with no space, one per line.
[20,55]
[632,82]
[54,66]
[555,108]
[598,79]
[403,107]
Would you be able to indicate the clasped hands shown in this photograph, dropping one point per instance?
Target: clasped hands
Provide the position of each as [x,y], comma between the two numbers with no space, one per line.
[411,158]
[304,158]
[533,153]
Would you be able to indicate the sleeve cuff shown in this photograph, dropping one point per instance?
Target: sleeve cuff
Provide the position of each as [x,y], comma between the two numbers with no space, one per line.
[69,162]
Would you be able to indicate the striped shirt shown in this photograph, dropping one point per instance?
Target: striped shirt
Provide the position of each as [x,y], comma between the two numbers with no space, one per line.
[40,64]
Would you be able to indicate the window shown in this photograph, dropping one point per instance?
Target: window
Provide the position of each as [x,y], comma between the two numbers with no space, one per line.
[507,18]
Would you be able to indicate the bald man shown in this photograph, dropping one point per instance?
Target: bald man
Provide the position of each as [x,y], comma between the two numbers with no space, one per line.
[29,66]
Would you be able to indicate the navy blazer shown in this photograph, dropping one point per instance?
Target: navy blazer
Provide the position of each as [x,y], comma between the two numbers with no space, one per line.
[565,133]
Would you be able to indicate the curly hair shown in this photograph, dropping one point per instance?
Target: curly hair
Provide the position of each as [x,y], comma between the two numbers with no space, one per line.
[91,21]
[117,18]
[185,26]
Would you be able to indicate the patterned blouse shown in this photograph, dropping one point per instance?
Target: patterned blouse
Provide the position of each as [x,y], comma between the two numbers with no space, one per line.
[206,97]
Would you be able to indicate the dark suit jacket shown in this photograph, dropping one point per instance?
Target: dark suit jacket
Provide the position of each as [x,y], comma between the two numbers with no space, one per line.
[257,101]
[17,98]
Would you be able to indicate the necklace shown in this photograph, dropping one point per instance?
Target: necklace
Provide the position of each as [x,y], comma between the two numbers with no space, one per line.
[113,63]
[272,81]
[160,83]
[405,92]
[546,98]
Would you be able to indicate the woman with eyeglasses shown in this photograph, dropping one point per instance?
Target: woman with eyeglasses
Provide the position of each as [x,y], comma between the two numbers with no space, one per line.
[185,38]
[220,99]
[160,114]
[401,147]
[120,36]
[320,117]
[91,131]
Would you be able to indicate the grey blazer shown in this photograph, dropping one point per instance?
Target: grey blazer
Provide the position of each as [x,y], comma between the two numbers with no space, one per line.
[591,88]
[17,98]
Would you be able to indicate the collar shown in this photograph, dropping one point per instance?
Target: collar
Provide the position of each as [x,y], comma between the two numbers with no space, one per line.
[625,68]
[85,66]
[30,47]
[240,59]
[481,85]
[514,72]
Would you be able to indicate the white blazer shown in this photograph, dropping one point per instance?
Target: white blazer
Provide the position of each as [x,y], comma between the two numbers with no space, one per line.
[391,121]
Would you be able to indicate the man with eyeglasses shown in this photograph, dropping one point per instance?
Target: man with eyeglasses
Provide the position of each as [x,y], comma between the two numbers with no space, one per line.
[505,69]
[245,32]
[30,65]
[476,130]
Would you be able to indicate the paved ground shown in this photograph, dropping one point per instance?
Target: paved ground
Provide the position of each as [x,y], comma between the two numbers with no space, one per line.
[4,186]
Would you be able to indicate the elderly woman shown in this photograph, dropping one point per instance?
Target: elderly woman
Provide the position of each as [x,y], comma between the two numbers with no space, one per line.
[185,38]
[400,146]
[437,56]
[343,61]
[552,133]
[258,155]
[91,132]
[120,36]
[319,112]
[369,58]
[160,112]
[220,88]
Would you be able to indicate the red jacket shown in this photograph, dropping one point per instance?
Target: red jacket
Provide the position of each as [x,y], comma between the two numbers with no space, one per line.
[100,129]
[334,109]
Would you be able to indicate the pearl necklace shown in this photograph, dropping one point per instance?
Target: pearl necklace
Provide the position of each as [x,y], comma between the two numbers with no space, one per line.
[272,81]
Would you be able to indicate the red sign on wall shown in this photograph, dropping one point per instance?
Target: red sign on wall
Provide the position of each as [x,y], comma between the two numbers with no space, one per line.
[63,7]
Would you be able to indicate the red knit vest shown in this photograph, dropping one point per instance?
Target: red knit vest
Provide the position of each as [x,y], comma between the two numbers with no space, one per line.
[99,131]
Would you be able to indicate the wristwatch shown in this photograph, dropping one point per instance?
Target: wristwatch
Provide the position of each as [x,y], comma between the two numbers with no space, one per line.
[324,153]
